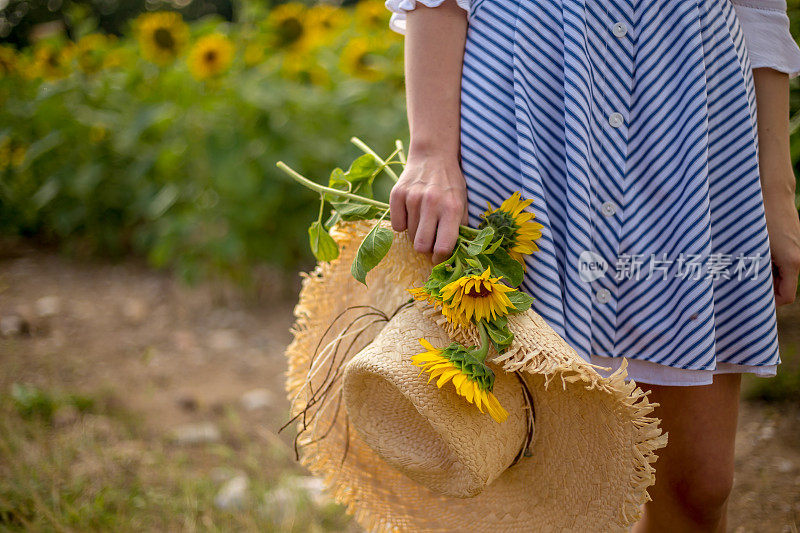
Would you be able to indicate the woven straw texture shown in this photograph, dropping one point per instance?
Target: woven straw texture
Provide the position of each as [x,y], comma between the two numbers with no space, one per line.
[594,443]
[432,435]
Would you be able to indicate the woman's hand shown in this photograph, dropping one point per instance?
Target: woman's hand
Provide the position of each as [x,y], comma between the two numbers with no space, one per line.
[430,201]
[783,227]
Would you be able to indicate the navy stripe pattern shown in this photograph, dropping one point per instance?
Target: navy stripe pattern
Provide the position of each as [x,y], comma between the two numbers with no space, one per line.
[632,126]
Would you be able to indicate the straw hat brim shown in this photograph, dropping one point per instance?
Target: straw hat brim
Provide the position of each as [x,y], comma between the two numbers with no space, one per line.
[594,443]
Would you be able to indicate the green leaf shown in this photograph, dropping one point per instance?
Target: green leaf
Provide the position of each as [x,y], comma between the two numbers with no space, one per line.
[333,219]
[481,241]
[504,265]
[373,248]
[494,246]
[500,335]
[474,263]
[358,178]
[520,300]
[356,211]
[323,246]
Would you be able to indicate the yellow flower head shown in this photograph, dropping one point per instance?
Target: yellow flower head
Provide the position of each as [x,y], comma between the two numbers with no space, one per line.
[211,56]
[359,59]
[325,20]
[475,297]
[518,229]
[90,52]
[162,36]
[370,15]
[8,60]
[472,379]
[287,22]
[49,61]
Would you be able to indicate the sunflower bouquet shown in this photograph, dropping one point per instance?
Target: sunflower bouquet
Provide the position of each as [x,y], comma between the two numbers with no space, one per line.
[475,286]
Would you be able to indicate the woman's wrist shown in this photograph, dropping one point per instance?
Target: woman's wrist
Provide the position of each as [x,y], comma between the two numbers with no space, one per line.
[430,148]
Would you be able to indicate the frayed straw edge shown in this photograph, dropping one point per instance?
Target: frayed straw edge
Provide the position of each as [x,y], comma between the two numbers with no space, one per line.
[569,367]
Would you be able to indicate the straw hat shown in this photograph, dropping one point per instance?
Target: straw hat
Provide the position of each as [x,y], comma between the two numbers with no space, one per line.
[575,453]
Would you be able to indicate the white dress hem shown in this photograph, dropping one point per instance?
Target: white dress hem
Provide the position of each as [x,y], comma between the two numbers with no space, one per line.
[654,374]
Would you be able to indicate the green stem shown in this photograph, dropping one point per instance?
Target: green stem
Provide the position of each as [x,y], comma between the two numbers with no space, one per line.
[401,155]
[384,165]
[485,342]
[366,149]
[321,208]
[327,190]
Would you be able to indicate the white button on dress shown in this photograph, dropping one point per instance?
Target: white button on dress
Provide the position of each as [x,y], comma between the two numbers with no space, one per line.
[615,119]
[538,91]
[603,295]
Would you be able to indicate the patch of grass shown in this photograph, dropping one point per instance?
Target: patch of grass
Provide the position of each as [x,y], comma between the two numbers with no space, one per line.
[32,402]
[104,471]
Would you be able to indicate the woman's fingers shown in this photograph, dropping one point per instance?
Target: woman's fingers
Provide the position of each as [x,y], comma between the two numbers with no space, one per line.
[785,284]
[446,236]
[397,209]
[426,229]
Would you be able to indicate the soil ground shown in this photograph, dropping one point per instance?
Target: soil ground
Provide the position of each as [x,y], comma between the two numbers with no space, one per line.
[131,401]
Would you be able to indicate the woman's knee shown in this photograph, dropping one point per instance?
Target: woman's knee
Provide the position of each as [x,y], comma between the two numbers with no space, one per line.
[703,491]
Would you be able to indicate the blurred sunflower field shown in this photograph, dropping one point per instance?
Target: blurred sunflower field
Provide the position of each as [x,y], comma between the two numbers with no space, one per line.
[163,141]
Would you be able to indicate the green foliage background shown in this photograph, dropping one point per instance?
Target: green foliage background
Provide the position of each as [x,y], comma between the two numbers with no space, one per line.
[146,158]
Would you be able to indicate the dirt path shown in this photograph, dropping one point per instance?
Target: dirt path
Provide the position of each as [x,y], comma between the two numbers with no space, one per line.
[189,362]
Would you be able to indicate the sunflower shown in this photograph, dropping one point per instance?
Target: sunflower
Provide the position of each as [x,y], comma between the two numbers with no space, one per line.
[303,67]
[162,36]
[211,56]
[48,61]
[288,24]
[90,52]
[471,378]
[359,59]
[8,60]
[370,15]
[323,21]
[422,294]
[475,296]
[518,229]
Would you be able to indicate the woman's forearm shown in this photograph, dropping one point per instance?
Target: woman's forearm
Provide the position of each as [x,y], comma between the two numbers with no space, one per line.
[778,180]
[772,103]
[434,54]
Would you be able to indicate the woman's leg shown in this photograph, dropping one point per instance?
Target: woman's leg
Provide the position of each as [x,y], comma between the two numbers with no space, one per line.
[694,472]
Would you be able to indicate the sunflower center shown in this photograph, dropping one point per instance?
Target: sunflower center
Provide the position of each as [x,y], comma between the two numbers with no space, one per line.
[164,39]
[210,56]
[290,31]
[364,61]
[479,292]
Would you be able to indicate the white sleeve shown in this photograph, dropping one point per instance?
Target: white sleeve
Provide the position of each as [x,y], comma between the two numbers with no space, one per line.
[399,8]
[766,32]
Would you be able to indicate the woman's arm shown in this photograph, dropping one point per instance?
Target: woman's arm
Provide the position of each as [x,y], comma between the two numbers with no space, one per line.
[430,198]
[777,179]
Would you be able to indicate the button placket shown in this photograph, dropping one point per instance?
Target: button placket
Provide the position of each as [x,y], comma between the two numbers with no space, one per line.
[615,86]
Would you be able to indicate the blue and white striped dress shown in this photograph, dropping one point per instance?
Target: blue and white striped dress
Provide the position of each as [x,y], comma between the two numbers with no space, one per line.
[632,126]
